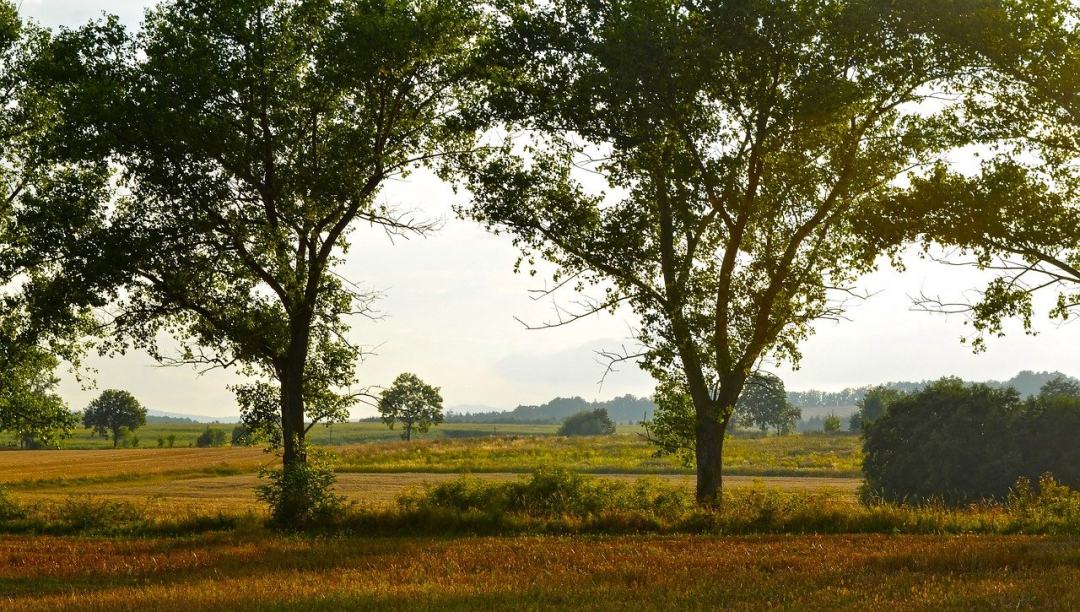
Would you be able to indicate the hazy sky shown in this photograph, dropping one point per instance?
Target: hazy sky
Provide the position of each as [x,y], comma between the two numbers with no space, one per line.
[451,302]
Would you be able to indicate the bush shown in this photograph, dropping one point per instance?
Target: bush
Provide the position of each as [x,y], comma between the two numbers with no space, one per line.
[210,437]
[588,423]
[831,424]
[963,443]
[9,508]
[300,495]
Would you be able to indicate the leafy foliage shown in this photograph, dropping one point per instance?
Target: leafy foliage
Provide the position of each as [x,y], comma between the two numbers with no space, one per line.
[411,402]
[211,438]
[764,404]
[114,412]
[873,406]
[588,423]
[254,135]
[962,443]
[301,494]
[746,146]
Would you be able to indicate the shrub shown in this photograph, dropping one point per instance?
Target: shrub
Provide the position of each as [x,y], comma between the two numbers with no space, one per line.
[301,494]
[963,443]
[588,423]
[210,437]
[9,508]
[171,439]
[831,424]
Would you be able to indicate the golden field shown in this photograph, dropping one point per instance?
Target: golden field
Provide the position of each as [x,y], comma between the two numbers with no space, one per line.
[250,571]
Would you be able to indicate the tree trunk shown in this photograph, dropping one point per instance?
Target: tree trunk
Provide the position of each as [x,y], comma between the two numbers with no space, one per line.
[408,432]
[710,446]
[292,405]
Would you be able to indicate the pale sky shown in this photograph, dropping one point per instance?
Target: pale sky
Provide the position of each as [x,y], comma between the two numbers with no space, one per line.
[451,302]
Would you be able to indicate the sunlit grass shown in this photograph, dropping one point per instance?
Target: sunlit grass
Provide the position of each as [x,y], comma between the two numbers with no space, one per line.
[245,571]
[800,455]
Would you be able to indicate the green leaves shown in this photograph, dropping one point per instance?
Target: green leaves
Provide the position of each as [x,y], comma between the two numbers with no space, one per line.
[412,402]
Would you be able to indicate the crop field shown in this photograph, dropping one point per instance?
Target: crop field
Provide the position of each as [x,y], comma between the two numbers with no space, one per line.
[242,571]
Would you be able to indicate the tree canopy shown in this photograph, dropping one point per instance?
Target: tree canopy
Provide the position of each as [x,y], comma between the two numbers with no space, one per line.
[114,412]
[747,147]
[253,136]
[411,402]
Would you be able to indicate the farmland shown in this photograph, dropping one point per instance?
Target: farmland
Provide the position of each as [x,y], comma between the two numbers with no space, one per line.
[162,527]
[249,571]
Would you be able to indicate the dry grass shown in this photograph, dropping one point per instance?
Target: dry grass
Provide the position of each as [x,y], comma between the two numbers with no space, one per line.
[23,466]
[236,492]
[253,571]
[797,455]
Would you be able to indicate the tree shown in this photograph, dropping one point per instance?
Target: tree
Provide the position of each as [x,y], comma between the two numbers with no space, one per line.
[747,145]
[254,135]
[588,423]
[1019,216]
[29,406]
[873,406]
[211,438]
[831,424]
[764,404]
[46,211]
[116,412]
[411,402]
[965,442]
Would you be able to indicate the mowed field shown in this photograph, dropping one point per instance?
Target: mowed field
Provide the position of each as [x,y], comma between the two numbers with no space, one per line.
[238,571]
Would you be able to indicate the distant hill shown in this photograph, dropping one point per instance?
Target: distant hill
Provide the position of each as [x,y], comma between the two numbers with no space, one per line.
[625,409]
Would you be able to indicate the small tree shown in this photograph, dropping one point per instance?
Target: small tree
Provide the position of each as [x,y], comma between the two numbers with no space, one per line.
[763,404]
[873,406]
[210,437]
[115,412]
[414,403]
[832,424]
[588,423]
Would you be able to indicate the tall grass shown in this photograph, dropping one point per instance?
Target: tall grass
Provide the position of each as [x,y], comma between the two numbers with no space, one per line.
[562,502]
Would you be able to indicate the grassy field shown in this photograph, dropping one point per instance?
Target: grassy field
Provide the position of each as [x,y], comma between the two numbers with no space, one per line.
[242,571]
[801,455]
[341,434]
[181,528]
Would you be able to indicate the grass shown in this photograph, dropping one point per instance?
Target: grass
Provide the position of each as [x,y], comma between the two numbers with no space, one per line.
[244,571]
[341,434]
[800,455]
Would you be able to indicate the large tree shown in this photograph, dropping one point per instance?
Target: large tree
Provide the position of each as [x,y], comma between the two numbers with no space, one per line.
[253,135]
[746,145]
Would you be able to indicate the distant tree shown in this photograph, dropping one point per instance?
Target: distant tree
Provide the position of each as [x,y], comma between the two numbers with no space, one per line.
[831,424]
[243,435]
[210,438]
[411,402]
[116,412]
[764,404]
[589,423]
[872,406]
[1061,387]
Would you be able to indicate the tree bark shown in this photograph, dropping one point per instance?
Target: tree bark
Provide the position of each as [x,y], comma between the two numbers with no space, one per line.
[292,401]
[709,451]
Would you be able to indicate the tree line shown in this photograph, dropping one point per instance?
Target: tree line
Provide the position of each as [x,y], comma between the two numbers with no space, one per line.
[198,179]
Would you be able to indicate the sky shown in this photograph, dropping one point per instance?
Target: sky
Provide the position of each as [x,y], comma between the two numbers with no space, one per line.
[451,303]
